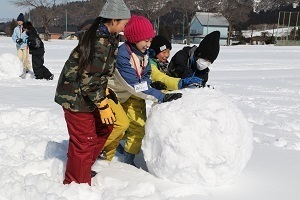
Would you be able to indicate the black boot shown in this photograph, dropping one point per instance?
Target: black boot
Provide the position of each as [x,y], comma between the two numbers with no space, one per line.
[93,173]
[102,155]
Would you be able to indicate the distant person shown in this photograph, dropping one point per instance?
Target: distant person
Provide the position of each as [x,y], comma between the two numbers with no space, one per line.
[19,37]
[83,93]
[196,60]
[37,50]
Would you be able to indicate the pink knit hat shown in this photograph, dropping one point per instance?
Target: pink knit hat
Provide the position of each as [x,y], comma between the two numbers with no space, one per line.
[138,28]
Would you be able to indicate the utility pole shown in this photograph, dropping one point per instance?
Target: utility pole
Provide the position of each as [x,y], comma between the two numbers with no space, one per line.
[182,28]
[66,20]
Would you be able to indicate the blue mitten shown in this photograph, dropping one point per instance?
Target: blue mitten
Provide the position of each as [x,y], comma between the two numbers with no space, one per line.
[185,82]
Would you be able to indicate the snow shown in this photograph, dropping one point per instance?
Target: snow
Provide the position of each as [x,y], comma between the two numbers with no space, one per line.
[276,32]
[206,141]
[263,82]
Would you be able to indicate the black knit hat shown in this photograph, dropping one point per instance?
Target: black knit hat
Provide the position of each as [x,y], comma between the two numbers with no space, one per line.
[21,17]
[209,47]
[159,44]
[27,25]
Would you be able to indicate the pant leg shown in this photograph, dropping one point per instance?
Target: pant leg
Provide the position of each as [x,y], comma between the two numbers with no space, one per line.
[136,112]
[120,126]
[37,67]
[26,59]
[86,137]
[103,131]
[23,55]
[20,53]
[46,73]
[40,71]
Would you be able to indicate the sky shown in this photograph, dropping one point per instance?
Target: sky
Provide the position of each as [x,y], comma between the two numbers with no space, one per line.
[238,141]
[9,10]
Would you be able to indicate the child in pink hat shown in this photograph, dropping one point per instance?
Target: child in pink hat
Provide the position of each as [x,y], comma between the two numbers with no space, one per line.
[132,82]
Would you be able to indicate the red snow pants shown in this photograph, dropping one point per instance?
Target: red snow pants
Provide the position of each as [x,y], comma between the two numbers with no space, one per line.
[87,138]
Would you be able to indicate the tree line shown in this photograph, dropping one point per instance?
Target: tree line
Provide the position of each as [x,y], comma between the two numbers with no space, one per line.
[170,17]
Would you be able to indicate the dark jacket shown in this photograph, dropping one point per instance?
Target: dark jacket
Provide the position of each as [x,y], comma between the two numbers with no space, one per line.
[183,64]
[82,92]
[36,45]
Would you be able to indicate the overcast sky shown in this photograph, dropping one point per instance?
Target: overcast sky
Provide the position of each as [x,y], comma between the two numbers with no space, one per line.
[8,10]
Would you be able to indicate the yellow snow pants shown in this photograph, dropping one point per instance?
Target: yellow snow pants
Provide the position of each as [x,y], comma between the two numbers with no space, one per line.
[120,126]
[135,108]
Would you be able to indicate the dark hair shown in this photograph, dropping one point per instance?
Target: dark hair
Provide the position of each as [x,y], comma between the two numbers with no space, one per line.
[27,25]
[86,45]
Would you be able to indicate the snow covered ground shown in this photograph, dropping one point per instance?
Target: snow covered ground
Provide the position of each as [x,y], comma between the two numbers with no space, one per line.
[262,81]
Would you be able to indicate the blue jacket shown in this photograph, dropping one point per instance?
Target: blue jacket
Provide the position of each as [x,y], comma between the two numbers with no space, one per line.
[129,73]
[19,32]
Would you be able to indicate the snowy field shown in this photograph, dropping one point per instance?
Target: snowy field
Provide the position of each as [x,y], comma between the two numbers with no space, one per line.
[262,81]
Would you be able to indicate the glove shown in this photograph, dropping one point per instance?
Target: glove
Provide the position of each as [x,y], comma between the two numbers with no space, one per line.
[172,96]
[110,94]
[185,82]
[158,85]
[19,40]
[106,114]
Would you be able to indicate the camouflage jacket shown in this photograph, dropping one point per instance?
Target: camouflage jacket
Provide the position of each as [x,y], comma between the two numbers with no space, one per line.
[81,94]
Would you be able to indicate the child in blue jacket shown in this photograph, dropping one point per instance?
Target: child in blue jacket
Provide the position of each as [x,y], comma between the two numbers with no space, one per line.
[19,36]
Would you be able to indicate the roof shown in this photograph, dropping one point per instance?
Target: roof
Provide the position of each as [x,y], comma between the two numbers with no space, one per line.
[211,19]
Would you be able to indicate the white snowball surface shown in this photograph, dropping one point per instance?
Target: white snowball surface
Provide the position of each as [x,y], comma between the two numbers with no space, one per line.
[10,65]
[202,138]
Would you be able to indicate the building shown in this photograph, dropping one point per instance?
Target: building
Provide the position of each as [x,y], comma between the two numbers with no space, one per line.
[58,32]
[204,23]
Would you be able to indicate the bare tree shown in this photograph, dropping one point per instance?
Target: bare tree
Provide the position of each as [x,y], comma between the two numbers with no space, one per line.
[43,9]
[151,9]
[235,11]
[187,8]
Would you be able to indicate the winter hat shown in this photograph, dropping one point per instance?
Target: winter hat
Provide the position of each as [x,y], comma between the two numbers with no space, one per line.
[21,17]
[138,28]
[115,9]
[209,47]
[27,25]
[159,44]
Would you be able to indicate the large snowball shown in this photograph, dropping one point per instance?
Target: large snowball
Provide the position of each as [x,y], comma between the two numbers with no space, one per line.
[10,65]
[202,138]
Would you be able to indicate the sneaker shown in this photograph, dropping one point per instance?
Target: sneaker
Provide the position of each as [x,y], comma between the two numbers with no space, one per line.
[102,155]
[23,74]
[51,77]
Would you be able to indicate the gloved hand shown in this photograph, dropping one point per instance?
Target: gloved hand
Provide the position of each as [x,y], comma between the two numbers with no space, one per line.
[185,82]
[19,40]
[158,85]
[172,96]
[106,114]
[110,94]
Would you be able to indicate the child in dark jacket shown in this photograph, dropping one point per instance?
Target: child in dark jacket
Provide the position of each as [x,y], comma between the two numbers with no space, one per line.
[37,50]
[194,61]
